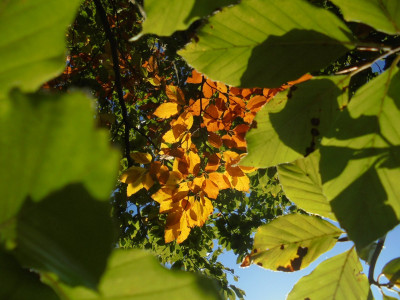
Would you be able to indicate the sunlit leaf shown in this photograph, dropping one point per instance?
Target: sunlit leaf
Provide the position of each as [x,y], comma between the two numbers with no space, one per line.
[360,160]
[291,242]
[135,275]
[382,15]
[292,123]
[392,271]
[338,277]
[166,110]
[50,142]
[301,183]
[257,52]
[163,18]
[32,43]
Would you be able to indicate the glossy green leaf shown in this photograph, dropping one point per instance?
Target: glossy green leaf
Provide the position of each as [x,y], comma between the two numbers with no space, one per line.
[135,275]
[292,123]
[392,271]
[291,242]
[265,43]
[68,233]
[360,161]
[165,17]
[32,41]
[48,142]
[337,278]
[21,284]
[301,182]
[383,15]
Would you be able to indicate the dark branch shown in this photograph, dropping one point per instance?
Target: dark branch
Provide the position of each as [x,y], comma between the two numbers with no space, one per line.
[118,85]
[375,255]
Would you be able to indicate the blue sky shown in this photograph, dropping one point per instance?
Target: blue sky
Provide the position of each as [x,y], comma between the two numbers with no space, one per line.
[261,284]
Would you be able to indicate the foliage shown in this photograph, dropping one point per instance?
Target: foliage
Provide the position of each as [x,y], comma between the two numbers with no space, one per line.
[296,74]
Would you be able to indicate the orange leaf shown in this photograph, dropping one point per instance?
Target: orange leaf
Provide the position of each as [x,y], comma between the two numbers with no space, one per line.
[303,78]
[256,103]
[166,110]
[196,77]
[195,107]
[210,188]
[209,88]
[220,180]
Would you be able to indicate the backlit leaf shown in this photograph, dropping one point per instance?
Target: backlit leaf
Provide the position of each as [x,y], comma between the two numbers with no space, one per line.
[166,110]
[257,52]
[135,275]
[32,43]
[50,142]
[301,183]
[365,147]
[382,15]
[392,271]
[291,242]
[338,277]
[292,123]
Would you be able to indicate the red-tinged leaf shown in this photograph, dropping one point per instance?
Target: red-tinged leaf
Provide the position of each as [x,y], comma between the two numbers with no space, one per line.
[214,139]
[213,163]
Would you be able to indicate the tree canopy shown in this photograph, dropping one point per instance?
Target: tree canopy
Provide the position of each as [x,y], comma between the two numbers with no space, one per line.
[135,134]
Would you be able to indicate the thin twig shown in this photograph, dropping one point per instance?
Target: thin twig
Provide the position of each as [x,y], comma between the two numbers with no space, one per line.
[366,66]
[114,53]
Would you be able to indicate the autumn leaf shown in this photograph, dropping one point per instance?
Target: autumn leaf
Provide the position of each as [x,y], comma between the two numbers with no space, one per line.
[167,110]
[141,158]
[196,77]
[175,94]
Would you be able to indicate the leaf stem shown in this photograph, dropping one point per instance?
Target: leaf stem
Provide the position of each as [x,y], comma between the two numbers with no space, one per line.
[375,255]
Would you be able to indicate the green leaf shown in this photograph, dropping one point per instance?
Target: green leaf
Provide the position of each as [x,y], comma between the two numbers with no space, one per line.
[21,284]
[137,275]
[291,242]
[301,182]
[68,233]
[165,17]
[360,161]
[382,15]
[48,142]
[336,278]
[392,271]
[265,43]
[292,123]
[32,42]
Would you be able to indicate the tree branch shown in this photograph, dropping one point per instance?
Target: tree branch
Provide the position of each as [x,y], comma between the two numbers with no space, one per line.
[118,86]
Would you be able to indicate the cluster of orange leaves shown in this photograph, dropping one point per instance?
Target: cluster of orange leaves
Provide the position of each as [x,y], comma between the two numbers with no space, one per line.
[190,182]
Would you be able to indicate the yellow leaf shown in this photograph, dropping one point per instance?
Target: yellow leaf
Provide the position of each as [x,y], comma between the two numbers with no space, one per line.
[241,183]
[141,158]
[194,163]
[166,110]
[133,177]
[147,181]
